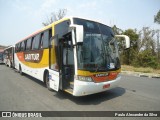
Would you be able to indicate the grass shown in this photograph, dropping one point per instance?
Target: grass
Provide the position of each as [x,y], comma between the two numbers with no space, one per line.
[140,69]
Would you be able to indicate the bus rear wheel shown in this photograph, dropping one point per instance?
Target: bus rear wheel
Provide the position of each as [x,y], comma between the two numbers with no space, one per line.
[46,77]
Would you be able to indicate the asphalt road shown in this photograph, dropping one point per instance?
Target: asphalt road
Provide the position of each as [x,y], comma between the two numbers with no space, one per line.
[24,93]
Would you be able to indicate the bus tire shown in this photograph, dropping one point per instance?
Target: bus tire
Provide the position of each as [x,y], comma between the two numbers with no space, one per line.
[46,80]
[20,70]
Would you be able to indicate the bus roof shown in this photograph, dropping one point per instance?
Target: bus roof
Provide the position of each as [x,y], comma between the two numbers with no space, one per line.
[44,28]
[38,31]
[54,23]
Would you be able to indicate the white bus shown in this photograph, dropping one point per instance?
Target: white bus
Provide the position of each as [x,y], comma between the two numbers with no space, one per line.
[9,56]
[75,55]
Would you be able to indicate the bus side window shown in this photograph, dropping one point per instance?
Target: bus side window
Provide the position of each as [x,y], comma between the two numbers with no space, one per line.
[41,40]
[16,48]
[22,46]
[25,44]
[50,35]
[46,39]
[33,42]
[28,44]
[36,42]
[19,47]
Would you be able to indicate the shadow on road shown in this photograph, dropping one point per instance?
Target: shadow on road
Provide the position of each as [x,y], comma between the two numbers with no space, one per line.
[92,99]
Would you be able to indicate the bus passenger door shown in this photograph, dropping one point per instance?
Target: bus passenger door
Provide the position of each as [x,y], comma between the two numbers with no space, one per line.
[53,65]
[67,61]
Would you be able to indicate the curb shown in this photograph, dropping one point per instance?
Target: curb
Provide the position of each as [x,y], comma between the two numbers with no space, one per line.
[139,74]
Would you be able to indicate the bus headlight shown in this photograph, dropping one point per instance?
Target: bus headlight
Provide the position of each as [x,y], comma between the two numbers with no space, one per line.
[83,78]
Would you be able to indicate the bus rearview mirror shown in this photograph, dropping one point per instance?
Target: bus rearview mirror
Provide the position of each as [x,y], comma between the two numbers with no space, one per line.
[79,32]
[126,38]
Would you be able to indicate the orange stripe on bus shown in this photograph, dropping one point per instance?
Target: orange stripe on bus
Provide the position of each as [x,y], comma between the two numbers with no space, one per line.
[111,76]
[20,56]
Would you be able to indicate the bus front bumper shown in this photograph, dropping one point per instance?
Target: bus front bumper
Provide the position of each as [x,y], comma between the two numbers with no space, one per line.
[82,88]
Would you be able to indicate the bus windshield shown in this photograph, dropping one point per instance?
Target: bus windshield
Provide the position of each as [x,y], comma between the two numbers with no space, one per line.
[99,50]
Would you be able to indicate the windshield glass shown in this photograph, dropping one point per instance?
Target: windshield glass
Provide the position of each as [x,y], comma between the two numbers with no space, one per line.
[99,50]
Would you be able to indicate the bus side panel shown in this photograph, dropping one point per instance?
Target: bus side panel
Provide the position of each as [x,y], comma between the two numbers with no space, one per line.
[32,68]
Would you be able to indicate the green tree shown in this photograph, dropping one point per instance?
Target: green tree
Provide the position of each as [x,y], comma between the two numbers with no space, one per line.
[130,54]
[147,52]
[157,18]
[145,58]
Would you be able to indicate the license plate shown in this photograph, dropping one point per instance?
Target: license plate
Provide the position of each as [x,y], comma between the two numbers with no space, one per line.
[106,86]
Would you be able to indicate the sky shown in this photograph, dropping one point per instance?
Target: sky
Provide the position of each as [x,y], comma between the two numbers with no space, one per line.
[19,18]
